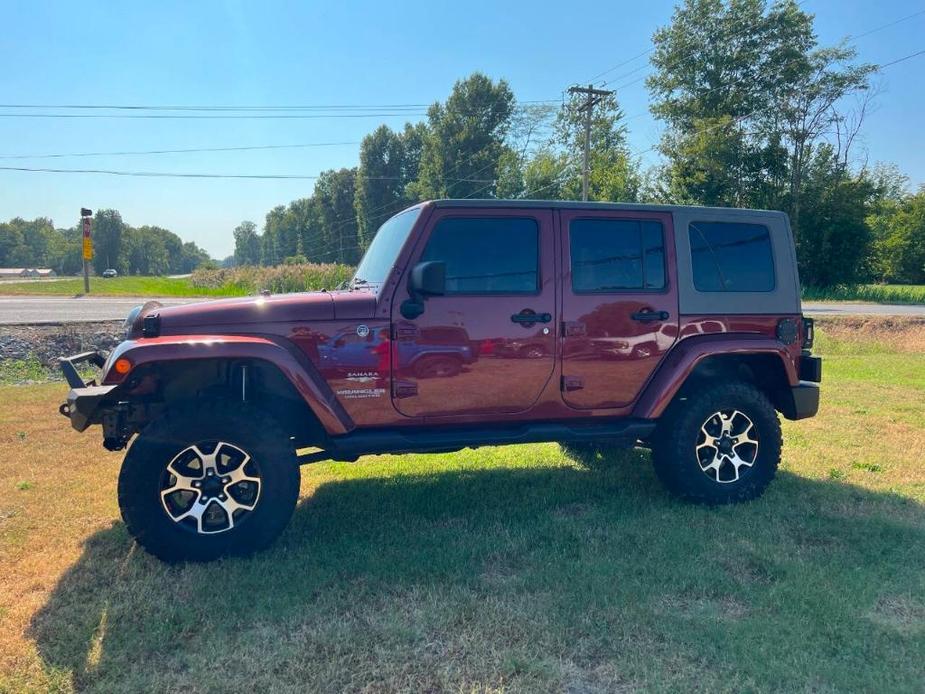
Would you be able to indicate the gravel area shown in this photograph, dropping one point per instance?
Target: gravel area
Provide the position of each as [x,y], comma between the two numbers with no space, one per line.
[48,342]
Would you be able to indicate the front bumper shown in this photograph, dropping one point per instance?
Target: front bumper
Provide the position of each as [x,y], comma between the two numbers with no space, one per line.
[84,400]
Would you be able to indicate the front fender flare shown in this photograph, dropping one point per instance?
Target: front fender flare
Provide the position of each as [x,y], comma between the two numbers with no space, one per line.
[686,354]
[291,362]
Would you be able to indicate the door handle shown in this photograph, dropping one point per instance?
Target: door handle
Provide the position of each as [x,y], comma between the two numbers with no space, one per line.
[649,316]
[528,316]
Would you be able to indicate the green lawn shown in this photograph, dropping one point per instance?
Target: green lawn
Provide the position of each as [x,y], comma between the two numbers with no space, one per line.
[117,286]
[877,293]
[501,569]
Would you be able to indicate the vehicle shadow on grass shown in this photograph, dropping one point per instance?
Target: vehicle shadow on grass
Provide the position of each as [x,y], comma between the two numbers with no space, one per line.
[529,577]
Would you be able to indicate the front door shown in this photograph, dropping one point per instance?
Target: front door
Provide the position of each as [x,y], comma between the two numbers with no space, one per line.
[488,345]
[619,303]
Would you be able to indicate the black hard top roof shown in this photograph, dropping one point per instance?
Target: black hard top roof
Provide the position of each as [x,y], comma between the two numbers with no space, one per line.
[579,205]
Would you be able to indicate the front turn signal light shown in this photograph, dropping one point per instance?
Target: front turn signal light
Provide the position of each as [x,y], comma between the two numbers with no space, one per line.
[122,366]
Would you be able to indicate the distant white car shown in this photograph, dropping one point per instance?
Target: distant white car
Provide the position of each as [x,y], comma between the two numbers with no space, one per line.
[110,273]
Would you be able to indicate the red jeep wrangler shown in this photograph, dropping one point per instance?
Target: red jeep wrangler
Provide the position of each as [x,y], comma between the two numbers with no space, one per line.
[468,323]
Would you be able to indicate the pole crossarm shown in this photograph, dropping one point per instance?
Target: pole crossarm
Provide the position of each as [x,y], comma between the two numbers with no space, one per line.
[592,97]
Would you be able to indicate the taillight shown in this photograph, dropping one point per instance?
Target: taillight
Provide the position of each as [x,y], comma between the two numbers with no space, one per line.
[809,332]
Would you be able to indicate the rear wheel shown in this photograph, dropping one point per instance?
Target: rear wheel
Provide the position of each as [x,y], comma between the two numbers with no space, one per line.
[719,445]
[210,481]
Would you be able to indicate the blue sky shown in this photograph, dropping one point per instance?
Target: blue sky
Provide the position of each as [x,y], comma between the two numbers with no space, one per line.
[304,53]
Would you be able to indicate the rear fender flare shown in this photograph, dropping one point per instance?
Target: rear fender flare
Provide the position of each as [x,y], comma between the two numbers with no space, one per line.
[286,357]
[688,353]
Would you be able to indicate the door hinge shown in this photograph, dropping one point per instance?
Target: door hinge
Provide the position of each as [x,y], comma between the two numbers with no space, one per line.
[573,329]
[570,383]
[404,389]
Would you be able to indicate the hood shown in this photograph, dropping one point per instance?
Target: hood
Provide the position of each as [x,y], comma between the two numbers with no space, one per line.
[245,313]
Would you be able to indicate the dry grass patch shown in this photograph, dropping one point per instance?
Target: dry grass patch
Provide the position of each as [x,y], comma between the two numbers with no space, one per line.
[860,334]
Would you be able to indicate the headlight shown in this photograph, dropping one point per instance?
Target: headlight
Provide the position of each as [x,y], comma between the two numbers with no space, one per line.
[130,321]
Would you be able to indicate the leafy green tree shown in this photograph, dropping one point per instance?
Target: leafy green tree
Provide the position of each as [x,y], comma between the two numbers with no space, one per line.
[899,239]
[465,140]
[192,256]
[108,251]
[246,244]
[145,250]
[10,242]
[335,192]
[305,218]
[746,94]
[546,176]
[834,247]
[380,185]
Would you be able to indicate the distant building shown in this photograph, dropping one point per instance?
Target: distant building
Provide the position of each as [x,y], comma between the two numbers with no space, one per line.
[25,272]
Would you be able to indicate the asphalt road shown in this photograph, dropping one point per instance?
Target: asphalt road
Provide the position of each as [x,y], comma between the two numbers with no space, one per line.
[57,309]
[857,308]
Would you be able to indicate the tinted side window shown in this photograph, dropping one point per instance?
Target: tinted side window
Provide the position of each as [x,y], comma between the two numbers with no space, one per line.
[616,255]
[731,257]
[487,256]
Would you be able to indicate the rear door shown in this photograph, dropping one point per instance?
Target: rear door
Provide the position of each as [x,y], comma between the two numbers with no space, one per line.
[488,345]
[619,303]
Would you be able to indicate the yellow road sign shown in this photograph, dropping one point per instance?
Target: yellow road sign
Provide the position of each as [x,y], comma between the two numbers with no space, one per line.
[88,249]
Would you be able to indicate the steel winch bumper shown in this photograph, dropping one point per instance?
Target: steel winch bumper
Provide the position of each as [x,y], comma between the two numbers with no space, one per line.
[84,400]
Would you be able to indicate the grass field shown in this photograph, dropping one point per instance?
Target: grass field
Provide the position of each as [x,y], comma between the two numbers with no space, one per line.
[503,569]
[117,286]
[241,281]
[877,293]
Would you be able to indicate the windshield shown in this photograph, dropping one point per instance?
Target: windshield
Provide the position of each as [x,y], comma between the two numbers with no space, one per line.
[382,252]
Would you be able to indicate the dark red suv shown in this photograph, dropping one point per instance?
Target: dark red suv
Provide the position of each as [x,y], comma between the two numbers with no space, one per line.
[468,323]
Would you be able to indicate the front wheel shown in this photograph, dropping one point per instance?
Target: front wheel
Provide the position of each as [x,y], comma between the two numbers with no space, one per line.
[718,445]
[206,482]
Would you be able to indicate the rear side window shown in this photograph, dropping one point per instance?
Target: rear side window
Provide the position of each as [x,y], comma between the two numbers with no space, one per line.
[731,257]
[612,255]
[487,255]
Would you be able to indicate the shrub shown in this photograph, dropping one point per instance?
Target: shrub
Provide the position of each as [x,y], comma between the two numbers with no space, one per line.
[279,279]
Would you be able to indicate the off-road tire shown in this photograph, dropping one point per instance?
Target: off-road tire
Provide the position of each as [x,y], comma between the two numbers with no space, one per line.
[679,430]
[140,480]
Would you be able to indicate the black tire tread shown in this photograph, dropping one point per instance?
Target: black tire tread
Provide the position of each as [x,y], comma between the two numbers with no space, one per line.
[236,422]
[672,453]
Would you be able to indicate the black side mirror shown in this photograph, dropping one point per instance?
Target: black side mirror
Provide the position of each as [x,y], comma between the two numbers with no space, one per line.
[426,279]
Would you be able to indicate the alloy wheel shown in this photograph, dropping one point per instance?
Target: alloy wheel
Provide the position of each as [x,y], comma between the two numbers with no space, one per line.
[210,487]
[727,446]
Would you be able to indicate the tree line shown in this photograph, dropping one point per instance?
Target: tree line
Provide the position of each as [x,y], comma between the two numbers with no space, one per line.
[755,113]
[145,250]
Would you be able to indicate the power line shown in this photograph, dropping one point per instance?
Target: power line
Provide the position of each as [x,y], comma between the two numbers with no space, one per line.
[169,174]
[164,107]
[625,62]
[900,60]
[225,108]
[888,25]
[236,116]
[175,151]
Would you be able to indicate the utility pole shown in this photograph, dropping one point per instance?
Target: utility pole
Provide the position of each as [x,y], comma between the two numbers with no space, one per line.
[85,215]
[592,97]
